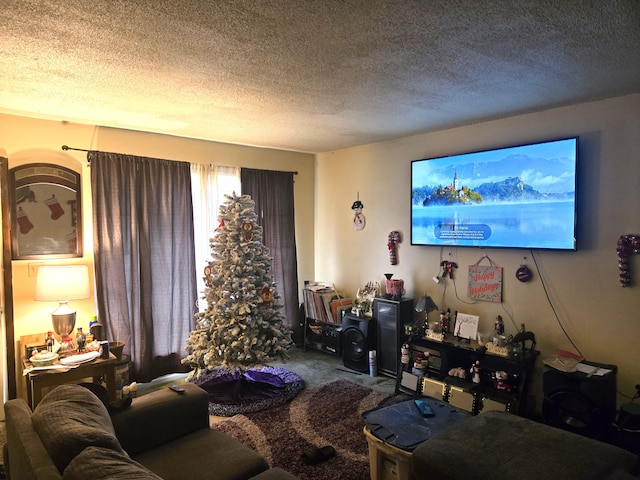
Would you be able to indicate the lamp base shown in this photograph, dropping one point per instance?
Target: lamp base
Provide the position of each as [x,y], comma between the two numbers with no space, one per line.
[64,320]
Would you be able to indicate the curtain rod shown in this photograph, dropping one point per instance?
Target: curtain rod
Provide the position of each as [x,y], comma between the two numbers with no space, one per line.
[66,147]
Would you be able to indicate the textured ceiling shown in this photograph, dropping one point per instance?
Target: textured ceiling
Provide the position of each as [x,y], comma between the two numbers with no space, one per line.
[310,76]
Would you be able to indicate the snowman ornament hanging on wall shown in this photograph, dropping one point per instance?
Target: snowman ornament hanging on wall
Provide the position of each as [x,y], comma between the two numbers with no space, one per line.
[359,221]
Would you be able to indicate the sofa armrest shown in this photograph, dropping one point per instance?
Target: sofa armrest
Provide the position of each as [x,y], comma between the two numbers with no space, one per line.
[161,416]
[25,455]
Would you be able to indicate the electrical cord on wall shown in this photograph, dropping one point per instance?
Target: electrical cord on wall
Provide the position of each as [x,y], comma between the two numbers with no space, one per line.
[553,308]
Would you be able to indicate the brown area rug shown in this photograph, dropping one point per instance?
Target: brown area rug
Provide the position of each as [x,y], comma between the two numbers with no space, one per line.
[324,415]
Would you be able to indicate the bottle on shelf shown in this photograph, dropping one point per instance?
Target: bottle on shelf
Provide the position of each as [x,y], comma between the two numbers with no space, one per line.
[50,341]
[81,339]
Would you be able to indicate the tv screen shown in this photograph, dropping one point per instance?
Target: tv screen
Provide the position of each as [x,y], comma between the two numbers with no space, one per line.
[514,197]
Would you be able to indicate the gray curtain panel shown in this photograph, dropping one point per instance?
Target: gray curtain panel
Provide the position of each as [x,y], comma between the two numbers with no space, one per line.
[272,192]
[144,258]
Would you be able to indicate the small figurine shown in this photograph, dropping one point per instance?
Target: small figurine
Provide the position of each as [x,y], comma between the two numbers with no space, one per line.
[523,336]
[444,326]
[502,382]
[499,326]
[405,357]
[475,372]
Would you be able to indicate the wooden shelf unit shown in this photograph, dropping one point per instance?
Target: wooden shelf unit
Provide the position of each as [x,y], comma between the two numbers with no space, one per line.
[323,319]
[451,353]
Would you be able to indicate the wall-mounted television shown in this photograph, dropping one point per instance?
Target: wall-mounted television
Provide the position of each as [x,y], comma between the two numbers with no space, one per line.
[514,197]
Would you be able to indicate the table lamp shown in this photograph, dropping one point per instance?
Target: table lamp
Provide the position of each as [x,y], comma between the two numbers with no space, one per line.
[60,284]
[426,305]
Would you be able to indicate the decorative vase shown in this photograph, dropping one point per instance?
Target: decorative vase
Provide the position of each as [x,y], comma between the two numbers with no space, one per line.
[388,287]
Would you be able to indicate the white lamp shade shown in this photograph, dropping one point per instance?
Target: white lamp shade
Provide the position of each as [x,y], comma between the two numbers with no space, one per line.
[62,282]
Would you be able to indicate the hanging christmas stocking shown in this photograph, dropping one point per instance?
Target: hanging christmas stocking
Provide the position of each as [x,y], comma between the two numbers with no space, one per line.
[23,221]
[55,207]
[72,241]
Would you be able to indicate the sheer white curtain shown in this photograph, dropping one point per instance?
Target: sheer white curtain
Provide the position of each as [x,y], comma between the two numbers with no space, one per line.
[209,184]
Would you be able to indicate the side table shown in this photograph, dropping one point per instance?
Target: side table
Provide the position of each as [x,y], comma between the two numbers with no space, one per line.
[40,379]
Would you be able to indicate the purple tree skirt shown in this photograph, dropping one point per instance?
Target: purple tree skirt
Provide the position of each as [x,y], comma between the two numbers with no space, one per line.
[233,391]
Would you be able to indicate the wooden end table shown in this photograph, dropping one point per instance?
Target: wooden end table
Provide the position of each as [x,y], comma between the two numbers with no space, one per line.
[39,379]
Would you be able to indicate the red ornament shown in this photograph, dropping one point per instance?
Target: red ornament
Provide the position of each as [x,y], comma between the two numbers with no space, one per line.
[524,274]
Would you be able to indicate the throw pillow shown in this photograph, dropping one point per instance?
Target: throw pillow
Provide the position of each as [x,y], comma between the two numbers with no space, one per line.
[99,463]
[71,418]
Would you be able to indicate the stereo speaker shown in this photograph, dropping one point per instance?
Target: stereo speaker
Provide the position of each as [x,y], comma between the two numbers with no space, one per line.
[358,338]
[581,403]
[331,335]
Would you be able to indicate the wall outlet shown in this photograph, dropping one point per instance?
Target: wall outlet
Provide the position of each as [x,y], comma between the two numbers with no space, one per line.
[33,268]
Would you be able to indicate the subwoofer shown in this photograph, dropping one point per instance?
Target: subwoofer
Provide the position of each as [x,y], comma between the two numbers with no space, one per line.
[581,403]
[358,338]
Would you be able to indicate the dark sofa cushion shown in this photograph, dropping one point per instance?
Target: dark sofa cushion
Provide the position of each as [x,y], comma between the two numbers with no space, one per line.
[499,445]
[99,463]
[71,418]
[211,453]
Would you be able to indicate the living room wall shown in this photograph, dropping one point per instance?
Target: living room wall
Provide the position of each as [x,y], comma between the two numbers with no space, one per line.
[573,295]
[27,140]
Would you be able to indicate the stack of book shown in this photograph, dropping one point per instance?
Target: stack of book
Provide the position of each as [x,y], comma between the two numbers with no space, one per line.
[322,303]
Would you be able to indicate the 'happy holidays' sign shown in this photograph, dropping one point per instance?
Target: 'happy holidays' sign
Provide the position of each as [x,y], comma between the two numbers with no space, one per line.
[485,281]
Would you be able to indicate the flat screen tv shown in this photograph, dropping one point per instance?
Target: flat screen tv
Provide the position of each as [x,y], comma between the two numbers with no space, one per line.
[514,197]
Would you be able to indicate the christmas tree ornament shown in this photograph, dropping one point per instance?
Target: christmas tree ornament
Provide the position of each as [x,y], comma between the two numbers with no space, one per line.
[359,221]
[524,274]
[392,241]
[448,268]
[627,245]
[267,295]
[207,276]
[247,231]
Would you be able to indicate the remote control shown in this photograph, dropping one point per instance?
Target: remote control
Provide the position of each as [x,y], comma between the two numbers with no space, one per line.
[424,408]
[176,388]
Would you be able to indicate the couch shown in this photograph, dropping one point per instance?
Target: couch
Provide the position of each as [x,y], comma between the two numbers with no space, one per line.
[161,435]
[500,445]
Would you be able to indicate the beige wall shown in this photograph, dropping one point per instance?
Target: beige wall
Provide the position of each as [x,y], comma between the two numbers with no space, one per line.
[601,317]
[25,140]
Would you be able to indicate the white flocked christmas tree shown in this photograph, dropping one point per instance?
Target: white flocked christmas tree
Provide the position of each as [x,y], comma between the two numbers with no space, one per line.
[241,327]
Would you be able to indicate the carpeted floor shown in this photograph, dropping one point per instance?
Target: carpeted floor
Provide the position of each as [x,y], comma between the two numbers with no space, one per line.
[328,414]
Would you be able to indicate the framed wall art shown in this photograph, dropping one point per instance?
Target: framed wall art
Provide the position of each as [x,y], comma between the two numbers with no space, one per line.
[46,216]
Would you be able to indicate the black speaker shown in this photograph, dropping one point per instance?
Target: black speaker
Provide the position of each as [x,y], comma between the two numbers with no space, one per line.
[583,403]
[331,335]
[358,338]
